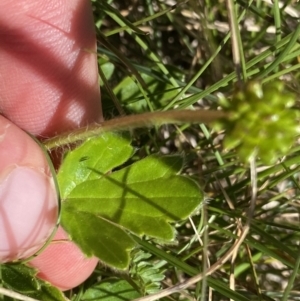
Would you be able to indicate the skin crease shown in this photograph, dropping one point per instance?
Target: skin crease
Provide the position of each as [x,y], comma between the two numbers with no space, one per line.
[48,85]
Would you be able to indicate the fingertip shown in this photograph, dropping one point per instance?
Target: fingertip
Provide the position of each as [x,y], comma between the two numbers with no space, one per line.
[28,197]
[63,264]
[28,212]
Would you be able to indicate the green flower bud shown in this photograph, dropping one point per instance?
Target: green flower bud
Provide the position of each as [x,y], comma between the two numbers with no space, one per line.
[261,121]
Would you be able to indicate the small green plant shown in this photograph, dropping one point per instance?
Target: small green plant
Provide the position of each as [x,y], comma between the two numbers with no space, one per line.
[142,198]
[165,203]
[146,274]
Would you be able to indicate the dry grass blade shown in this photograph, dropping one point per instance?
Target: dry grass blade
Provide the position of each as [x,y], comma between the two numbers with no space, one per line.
[181,286]
[15,295]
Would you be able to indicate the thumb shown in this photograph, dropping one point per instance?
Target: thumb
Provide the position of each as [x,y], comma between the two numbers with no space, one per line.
[29,212]
[29,202]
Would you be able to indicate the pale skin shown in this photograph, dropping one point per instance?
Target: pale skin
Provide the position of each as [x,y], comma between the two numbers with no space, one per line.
[48,85]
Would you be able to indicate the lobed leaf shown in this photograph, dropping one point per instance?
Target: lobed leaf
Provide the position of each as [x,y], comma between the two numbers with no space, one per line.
[100,211]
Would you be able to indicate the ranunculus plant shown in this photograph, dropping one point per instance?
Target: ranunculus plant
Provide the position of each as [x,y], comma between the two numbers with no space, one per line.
[108,204]
[104,206]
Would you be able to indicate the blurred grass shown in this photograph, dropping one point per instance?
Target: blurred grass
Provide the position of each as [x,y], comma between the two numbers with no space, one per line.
[162,55]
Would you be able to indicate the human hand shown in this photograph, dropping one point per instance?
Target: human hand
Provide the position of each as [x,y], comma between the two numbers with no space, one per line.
[48,84]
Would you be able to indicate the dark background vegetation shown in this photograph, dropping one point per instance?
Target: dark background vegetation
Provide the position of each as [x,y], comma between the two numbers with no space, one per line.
[183,39]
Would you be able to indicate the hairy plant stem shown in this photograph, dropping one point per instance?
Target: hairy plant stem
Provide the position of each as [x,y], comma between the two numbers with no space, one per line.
[131,122]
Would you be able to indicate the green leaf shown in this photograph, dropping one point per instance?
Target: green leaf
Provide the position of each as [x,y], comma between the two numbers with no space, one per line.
[142,198]
[144,207]
[103,153]
[111,290]
[150,168]
[132,98]
[107,68]
[146,272]
[22,279]
[97,236]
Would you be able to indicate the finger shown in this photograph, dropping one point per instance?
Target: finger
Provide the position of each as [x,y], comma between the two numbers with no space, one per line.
[73,266]
[48,80]
[28,198]
[48,65]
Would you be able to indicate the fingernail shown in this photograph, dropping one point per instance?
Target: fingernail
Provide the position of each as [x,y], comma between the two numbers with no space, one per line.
[28,212]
